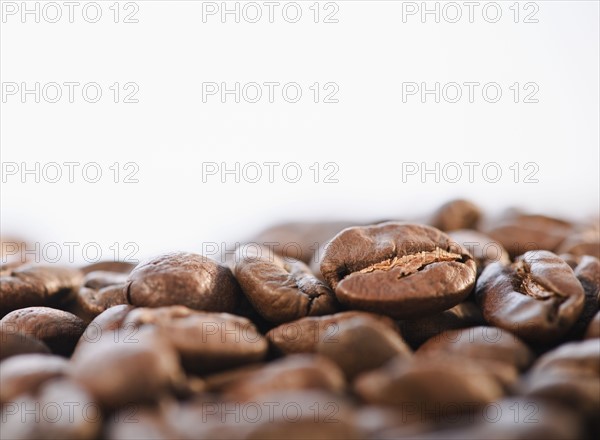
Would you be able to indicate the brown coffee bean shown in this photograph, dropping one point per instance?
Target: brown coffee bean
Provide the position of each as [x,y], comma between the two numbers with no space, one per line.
[484,249]
[108,266]
[400,270]
[119,371]
[456,214]
[362,344]
[587,272]
[14,343]
[24,373]
[292,373]
[586,242]
[28,286]
[282,290]
[478,343]
[302,336]
[184,279]
[60,330]
[417,331]
[135,422]
[60,409]
[205,341]
[569,374]
[299,240]
[538,297]
[216,382]
[102,290]
[593,330]
[450,382]
[530,232]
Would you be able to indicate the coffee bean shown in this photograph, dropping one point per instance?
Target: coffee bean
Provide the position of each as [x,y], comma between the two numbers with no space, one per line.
[537,297]
[28,286]
[530,232]
[282,290]
[484,249]
[362,344]
[24,373]
[299,240]
[184,279]
[14,343]
[569,374]
[480,343]
[417,331]
[302,336]
[593,330]
[587,272]
[60,409]
[401,270]
[585,242]
[456,214]
[117,370]
[449,382]
[60,330]
[205,341]
[109,266]
[292,373]
[135,422]
[102,290]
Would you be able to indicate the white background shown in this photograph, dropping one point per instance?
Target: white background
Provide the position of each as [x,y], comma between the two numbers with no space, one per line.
[369,133]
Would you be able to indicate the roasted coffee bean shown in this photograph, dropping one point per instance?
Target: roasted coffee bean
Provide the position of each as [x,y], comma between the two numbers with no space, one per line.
[205,341]
[449,382]
[569,374]
[119,371]
[586,242]
[587,272]
[480,343]
[28,286]
[401,270]
[362,344]
[537,297]
[456,214]
[216,382]
[417,331]
[24,373]
[302,336]
[530,232]
[14,343]
[292,373]
[593,330]
[109,266]
[60,330]
[60,409]
[484,249]
[102,290]
[298,240]
[282,290]
[184,279]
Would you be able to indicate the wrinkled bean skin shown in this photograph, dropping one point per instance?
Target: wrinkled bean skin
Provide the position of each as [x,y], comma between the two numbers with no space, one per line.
[538,297]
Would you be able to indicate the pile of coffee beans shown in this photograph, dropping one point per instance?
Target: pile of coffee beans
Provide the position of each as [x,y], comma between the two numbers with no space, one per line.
[455,326]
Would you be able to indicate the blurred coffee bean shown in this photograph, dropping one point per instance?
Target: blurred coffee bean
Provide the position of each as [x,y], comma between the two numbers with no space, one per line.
[216,382]
[102,290]
[362,344]
[456,214]
[15,343]
[299,240]
[480,343]
[205,341]
[302,336]
[58,329]
[29,285]
[184,279]
[282,290]
[290,374]
[455,384]
[121,370]
[417,331]
[593,330]
[24,373]
[530,232]
[586,242]
[569,374]
[484,249]
[400,270]
[537,297]
[136,422]
[108,266]
[587,272]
